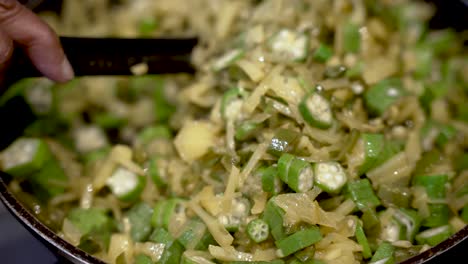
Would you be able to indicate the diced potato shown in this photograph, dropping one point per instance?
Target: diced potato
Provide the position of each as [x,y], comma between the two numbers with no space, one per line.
[195,139]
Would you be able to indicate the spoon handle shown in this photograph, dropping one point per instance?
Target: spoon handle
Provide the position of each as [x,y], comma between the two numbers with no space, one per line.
[113,56]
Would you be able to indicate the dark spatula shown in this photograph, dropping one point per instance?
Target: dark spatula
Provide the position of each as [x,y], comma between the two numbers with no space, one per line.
[113,56]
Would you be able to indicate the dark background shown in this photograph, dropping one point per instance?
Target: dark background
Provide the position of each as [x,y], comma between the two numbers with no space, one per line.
[17,245]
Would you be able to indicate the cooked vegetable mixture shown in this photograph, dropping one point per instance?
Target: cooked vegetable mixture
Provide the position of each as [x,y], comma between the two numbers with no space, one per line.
[313,132]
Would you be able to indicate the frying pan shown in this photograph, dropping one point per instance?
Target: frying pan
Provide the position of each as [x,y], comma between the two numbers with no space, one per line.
[16,115]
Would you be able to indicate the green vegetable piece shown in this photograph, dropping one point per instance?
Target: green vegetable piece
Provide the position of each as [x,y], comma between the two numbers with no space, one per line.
[164,211]
[432,91]
[330,176]
[447,132]
[424,57]
[143,259]
[382,95]
[47,126]
[299,240]
[434,235]
[258,230]
[155,173]
[384,254]
[442,133]
[410,221]
[247,130]
[464,214]
[24,157]
[394,196]
[390,149]
[283,164]
[461,162]
[362,240]
[126,185]
[362,194]
[427,162]
[17,89]
[162,108]
[147,26]
[306,255]
[296,173]
[323,53]
[173,250]
[95,155]
[151,133]
[316,111]
[462,111]
[355,71]
[439,215]
[441,42]
[87,220]
[108,120]
[284,141]
[195,235]
[140,221]
[273,215]
[373,145]
[271,183]
[49,181]
[371,221]
[96,240]
[435,185]
[351,38]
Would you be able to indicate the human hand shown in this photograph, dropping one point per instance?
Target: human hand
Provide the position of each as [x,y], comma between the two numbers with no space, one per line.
[20,27]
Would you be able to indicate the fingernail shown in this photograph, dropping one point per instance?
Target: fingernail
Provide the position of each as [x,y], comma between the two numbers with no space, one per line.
[67,70]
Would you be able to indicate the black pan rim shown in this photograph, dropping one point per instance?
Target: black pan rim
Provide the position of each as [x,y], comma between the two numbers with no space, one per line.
[32,224]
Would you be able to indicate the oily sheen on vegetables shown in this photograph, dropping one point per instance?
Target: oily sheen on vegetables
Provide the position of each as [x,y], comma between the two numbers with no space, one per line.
[312,132]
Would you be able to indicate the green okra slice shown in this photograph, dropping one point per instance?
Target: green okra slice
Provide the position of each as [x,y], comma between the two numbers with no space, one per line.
[140,221]
[299,240]
[25,156]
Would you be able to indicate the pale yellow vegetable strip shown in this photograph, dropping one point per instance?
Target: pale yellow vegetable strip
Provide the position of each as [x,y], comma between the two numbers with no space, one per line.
[254,159]
[413,147]
[396,169]
[253,69]
[219,233]
[268,254]
[152,250]
[131,166]
[345,207]
[229,253]
[231,186]
[209,201]
[120,243]
[323,136]
[104,172]
[254,99]
[260,200]
[71,232]
[230,132]
[226,18]
[300,208]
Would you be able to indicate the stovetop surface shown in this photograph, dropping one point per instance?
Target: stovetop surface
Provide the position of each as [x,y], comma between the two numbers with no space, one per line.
[17,245]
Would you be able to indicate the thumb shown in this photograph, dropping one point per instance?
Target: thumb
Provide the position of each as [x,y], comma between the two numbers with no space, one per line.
[38,40]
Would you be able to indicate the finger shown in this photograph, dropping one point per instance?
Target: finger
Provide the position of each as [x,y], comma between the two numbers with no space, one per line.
[38,40]
[6,50]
